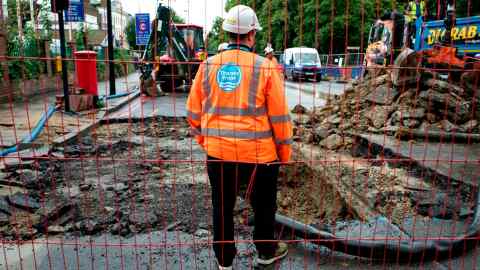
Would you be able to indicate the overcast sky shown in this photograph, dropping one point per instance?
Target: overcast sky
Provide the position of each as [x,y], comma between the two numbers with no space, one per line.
[201,12]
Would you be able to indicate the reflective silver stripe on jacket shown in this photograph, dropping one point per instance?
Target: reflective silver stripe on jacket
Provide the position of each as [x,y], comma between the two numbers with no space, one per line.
[237,111]
[195,131]
[279,118]
[236,134]
[205,82]
[193,116]
[252,92]
[287,141]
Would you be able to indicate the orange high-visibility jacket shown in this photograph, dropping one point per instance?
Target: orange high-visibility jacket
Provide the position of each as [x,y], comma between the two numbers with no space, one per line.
[237,109]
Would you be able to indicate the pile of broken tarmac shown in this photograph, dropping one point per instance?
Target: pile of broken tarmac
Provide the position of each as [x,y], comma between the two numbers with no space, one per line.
[121,178]
[422,104]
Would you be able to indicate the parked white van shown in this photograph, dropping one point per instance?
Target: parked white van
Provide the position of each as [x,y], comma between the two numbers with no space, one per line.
[302,63]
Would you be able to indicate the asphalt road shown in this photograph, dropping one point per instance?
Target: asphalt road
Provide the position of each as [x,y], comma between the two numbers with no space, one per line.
[177,250]
[309,94]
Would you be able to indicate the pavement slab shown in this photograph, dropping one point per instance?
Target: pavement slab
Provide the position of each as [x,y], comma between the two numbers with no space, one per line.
[20,117]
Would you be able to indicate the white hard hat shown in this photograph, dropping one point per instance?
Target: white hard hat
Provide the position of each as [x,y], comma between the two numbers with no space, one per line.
[268,50]
[241,19]
[222,46]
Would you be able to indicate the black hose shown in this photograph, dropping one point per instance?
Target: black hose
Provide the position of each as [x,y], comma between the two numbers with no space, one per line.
[399,250]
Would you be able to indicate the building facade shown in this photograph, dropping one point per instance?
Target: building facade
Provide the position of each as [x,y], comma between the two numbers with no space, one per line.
[95,24]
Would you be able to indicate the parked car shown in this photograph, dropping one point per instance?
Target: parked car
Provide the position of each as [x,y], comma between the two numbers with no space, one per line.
[302,63]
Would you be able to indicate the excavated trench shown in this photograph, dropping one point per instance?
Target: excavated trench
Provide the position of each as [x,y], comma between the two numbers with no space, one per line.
[133,178]
[127,178]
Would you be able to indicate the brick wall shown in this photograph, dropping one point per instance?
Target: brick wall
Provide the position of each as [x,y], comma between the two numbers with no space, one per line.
[28,88]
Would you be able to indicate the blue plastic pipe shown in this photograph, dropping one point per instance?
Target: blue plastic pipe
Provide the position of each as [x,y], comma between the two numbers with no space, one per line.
[34,134]
[117,95]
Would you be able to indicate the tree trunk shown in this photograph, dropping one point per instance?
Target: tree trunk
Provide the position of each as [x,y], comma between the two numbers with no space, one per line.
[47,56]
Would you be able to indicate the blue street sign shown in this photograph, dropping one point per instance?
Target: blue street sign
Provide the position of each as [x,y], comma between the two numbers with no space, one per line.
[142,28]
[75,11]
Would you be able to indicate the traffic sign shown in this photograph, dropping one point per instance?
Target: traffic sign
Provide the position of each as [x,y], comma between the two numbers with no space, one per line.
[142,28]
[75,13]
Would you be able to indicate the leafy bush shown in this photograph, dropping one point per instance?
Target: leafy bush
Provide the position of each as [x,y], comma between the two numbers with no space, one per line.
[29,47]
[122,64]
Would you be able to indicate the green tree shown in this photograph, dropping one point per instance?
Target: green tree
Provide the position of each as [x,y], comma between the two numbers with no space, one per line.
[130,34]
[44,21]
[81,37]
[176,18]
[17,46]
[328,25]
[216,35]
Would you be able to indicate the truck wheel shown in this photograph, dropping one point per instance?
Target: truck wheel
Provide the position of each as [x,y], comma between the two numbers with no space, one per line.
[168,85]
[147,87]
[294,79]
[142,86]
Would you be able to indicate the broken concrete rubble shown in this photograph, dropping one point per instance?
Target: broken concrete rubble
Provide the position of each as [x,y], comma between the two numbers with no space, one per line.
[469,126]
[447,126]
[383,95]
[5,206]
[332,142]
[375,104]
[299,109]
[24,201]
[379,115]
[415,108]
[4,219]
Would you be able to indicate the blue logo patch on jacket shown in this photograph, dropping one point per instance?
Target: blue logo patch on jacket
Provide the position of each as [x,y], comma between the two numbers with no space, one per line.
[229,77]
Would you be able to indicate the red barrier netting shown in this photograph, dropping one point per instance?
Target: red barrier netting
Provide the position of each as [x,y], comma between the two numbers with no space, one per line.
[385,147]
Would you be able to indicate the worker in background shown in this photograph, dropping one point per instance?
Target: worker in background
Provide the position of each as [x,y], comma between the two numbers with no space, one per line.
[189,40]
[238,113]
[269,54]
[414,10]
[222,47]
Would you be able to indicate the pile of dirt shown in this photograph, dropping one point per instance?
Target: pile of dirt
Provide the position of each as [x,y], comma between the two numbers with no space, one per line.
[423,104]
[305,196]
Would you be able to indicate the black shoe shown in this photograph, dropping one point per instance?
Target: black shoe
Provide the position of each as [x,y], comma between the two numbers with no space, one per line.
[280,253]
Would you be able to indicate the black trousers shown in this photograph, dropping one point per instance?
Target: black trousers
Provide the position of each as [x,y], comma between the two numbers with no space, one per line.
[225,180]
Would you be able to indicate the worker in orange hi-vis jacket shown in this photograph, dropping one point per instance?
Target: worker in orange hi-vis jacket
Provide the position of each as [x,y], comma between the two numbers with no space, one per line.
[238,112]
[269,55]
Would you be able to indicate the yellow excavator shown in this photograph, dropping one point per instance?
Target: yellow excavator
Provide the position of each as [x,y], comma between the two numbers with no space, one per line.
[450,43]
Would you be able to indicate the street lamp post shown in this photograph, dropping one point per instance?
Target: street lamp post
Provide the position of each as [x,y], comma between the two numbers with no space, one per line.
[111,66]
[58,6]
[63,52]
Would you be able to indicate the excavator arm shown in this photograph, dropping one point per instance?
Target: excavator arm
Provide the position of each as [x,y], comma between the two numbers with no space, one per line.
[165,38]
[166,45]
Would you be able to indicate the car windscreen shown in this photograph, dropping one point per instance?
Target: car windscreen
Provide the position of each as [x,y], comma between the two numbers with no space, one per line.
[306,58]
